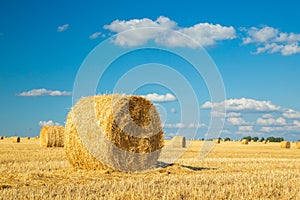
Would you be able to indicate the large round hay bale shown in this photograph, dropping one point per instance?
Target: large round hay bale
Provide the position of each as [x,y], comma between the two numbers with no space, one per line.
[16,139]
[179,142]
[52,136]
[113,132]
[244,141]
[285,144]
[298,145]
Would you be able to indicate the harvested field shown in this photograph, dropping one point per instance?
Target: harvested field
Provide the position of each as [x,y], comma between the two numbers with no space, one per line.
[231,171]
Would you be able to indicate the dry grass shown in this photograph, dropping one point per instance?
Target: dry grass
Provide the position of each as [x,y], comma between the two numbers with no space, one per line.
[230,171]
[109,131]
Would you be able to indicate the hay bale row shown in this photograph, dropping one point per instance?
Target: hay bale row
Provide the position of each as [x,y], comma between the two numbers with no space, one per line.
[285,144]
[52,136]
[244,141]
[113,132]
[179,142]
[16,139]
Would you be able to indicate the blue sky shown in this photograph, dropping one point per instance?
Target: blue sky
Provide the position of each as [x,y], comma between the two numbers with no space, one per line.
[254,44]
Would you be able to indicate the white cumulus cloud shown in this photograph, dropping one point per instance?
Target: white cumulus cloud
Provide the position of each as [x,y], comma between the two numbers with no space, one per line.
[236,120]
[271,40]
[62,28]
[160,97]
[44,92]
[168,33]
[245,128]
[242,105]
[291,114]
[48,123]
[271,121]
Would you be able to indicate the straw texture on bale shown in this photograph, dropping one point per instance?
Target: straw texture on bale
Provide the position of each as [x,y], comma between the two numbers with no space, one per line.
[113,132]
[244,141]
[52,136]
[285,144]
[298,145]
[16,139]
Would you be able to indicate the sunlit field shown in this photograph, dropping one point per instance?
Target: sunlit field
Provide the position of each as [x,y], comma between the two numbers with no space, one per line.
[230,171]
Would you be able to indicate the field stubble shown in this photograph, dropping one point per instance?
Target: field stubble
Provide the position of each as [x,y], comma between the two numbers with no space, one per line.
[230,171]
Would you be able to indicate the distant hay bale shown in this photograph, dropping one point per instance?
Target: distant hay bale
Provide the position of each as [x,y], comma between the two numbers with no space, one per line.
[113,132]
[28,138]
[16,139]
[218,141]
[36,137]
[298,145]
[265,142]
[2,137]
[52,136]
[285,144]
[179,142]
[244,141]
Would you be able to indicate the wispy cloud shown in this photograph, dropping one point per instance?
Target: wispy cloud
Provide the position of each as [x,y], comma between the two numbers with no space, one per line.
[271,40]
[48,123]
[96,35]
[62,28]
[44,92]
[168,33]
[160,97]
[182,125]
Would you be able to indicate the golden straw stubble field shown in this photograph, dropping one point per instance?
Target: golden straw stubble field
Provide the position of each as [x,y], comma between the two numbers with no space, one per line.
[230,171]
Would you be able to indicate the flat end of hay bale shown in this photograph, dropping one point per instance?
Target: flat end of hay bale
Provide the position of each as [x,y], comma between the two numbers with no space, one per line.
[179,142]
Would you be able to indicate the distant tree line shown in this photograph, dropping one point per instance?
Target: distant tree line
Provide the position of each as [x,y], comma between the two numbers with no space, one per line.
[271,139]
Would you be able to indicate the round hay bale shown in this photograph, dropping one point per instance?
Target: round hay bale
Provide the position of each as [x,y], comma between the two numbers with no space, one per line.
[28,138]
[52,136]
[36,137]
[244,141]
[285,144]
[265,142]
[115,131]
[218,141]
[2,137]
[298,145]
[179,142]
[16,139]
